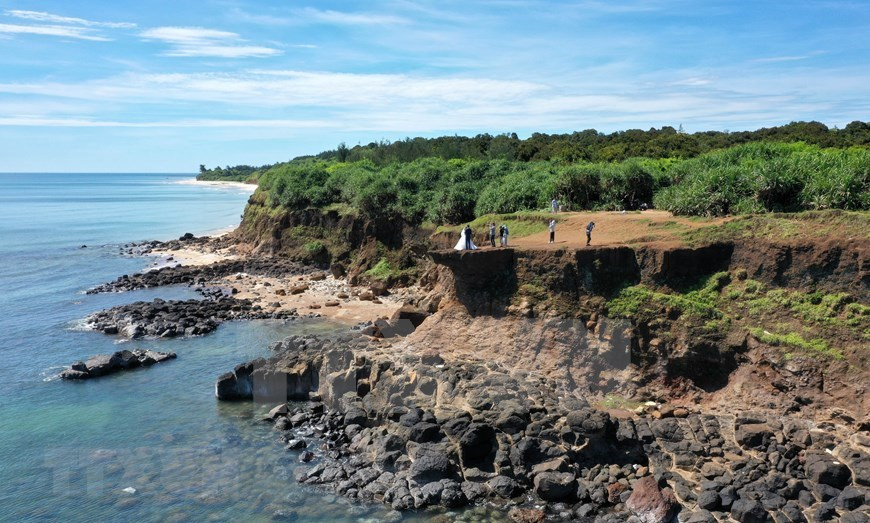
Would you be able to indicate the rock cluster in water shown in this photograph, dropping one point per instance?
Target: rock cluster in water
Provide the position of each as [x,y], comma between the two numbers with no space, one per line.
[413,430]
[104,364]
[170,318]
[202,274]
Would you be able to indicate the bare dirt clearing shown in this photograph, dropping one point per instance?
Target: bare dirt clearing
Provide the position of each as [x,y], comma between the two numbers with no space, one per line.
[615,228]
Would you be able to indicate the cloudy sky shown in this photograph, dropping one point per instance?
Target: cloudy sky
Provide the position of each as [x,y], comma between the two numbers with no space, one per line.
[163,86]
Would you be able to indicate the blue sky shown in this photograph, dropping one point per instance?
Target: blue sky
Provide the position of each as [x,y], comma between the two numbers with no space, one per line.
[162,86]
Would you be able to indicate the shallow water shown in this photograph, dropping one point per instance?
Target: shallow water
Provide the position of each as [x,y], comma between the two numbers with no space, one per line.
[68,450]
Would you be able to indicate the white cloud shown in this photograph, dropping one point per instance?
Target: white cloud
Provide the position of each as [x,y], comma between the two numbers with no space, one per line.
[81,33]
[313,15]
[792,58]
[40,121]
[346,18]
[40,16]
[695,81]
[198,41]
[408,103]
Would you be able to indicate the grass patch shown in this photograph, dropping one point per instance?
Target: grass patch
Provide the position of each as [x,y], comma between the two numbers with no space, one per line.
[315,246]
[381,271]
[796,341]
[700,302]
[817,308]
[616,402]
[535,292]
[808,225]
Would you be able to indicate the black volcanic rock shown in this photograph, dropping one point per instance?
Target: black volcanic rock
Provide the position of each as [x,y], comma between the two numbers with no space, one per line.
[168,319]
[104,364]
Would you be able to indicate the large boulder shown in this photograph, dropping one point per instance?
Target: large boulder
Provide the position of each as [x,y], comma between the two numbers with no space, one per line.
[650,503]
[589,422]
[504,487]
[430,462]
[411,314]
[236,385]
[477,445]
[753,435]
[821,468]
[556,486]
[667,429]
[749,511]
[850,499]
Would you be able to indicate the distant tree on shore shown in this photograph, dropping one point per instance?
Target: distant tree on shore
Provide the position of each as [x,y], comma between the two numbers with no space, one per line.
[592,146]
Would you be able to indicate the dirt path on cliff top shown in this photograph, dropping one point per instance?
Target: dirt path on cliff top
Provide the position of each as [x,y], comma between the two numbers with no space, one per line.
[614,228]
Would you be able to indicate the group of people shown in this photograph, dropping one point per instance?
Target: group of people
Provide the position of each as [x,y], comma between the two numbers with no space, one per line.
[466,243]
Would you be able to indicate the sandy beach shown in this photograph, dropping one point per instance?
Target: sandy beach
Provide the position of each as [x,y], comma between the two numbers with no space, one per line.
[322,293]
[330,297]
[219,184]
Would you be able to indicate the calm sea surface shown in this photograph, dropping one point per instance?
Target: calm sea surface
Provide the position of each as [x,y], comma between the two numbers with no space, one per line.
[68,450]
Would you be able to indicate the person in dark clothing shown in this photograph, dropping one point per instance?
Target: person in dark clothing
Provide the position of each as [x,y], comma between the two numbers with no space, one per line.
[492,234]
[468,237]
[589,233]
[552,231]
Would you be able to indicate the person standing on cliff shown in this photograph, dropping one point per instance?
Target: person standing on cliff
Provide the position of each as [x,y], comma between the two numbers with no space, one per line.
[467,232]
[504,235]
[553,231]
[589,233]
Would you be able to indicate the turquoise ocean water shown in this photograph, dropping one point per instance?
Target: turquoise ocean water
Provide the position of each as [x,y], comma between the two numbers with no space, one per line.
[67,450]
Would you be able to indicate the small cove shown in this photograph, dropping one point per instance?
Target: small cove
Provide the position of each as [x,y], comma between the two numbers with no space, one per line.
[68,450]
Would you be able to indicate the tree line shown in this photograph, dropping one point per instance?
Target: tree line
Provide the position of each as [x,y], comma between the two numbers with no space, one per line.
[754,177]
[593,146]
[453,179]
[587,146]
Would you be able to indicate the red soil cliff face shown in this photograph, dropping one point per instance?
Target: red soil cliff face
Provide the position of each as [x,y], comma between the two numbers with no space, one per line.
[511,306]
[832,265]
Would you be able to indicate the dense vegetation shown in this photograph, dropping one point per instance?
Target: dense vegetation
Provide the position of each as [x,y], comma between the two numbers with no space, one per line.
[769,177]
[593,146]
[238,173]
[755,177]
[455,179]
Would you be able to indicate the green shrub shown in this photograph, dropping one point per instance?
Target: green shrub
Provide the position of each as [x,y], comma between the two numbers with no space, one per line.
[315,247]
[795,340]
[381,271]
[627,185]
[763,177]
[519,190]
[578,186]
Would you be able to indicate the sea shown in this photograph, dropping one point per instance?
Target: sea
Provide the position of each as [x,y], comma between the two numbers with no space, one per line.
[150,444]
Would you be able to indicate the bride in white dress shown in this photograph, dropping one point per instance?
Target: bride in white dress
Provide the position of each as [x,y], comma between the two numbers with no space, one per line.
[460,245]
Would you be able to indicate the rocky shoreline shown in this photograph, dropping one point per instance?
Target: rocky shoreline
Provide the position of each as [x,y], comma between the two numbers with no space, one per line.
[412,431]
[483,418]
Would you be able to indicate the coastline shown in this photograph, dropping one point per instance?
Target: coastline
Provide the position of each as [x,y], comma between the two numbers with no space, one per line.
[218,184]
[323,294]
